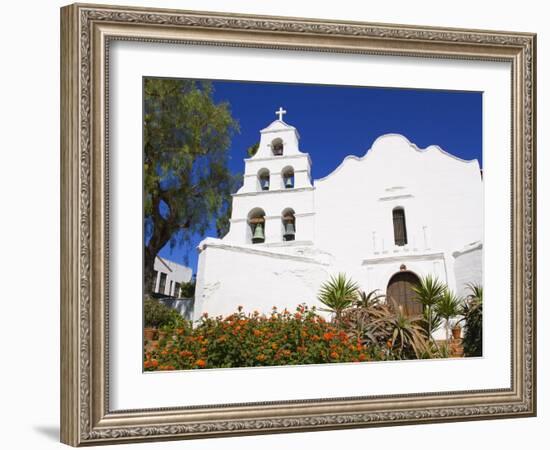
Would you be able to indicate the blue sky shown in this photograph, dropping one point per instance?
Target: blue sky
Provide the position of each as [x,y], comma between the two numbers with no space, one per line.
[336,121]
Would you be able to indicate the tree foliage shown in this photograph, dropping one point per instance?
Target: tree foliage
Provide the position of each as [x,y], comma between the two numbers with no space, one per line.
[187,183]
[253,149]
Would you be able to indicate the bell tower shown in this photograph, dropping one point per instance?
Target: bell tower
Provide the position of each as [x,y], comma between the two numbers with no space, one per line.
[275,204]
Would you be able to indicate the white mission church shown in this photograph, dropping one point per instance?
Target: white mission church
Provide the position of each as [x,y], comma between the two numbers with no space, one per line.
[396,214]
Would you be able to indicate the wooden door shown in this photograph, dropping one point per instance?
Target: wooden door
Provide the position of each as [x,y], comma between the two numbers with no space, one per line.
[400,290]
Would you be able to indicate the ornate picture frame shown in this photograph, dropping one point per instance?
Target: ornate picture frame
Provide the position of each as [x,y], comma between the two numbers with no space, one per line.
[86,34]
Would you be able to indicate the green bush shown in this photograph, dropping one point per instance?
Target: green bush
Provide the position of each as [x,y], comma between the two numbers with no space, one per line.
[157,315]
[473,318]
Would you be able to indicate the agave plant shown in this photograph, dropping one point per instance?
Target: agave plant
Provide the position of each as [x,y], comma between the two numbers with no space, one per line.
[404,333]
[366,309]
[337,294]
[368,300]
[428,292]
[448,306]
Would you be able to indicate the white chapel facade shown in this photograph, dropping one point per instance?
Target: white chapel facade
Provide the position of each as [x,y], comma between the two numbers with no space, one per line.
[386,219]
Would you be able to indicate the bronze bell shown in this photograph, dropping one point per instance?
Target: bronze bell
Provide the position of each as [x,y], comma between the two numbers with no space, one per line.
[290,231]
[258,236]
[265,184]
[289,183]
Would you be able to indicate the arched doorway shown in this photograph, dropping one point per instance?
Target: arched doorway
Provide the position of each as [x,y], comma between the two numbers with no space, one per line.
[400,289]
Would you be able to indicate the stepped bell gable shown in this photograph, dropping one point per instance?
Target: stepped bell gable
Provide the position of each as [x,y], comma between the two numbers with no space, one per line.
[275,203]
[385,219]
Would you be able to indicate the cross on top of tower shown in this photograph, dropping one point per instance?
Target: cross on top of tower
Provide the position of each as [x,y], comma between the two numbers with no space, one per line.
[280,113]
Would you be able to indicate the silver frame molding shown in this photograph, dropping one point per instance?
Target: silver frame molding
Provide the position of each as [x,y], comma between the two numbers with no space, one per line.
[86,31]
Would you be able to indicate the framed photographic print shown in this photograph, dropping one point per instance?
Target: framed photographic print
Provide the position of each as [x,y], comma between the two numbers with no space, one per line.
[277,224]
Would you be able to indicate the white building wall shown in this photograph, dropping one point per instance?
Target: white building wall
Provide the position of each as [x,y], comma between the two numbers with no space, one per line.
[255,278]
[175,273]
[468,267]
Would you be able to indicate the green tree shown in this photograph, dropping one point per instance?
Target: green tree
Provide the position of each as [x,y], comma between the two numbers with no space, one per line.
[252,150]
[187,183]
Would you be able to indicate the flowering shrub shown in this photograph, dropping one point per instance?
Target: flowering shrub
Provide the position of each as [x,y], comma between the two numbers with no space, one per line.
[245,340]
[157,315]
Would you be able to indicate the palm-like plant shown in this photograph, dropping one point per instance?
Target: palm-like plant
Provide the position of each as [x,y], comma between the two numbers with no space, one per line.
[337,294]
[428,292]
[447,307]
[476,292]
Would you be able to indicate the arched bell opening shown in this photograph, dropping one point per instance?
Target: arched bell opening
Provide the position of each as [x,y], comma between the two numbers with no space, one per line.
[256,226]
[289,225]
[277,147]
[264,179]
[288,177]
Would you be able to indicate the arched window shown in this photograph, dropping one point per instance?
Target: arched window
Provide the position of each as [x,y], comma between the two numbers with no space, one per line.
[289,225]
[288,177]
[256,226]
[399,226]
[277,147]
[263,179]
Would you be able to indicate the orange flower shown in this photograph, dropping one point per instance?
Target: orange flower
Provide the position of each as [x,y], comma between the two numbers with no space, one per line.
[260,357]
[389,344]
[200,363]
[154,363]
[185,353]
[334,355]
[297,316]
[328,336]
[274,346]
[147,364]
[257,332]
[362,357]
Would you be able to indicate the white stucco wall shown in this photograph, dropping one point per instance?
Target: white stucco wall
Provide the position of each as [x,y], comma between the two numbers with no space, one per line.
[256,278]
